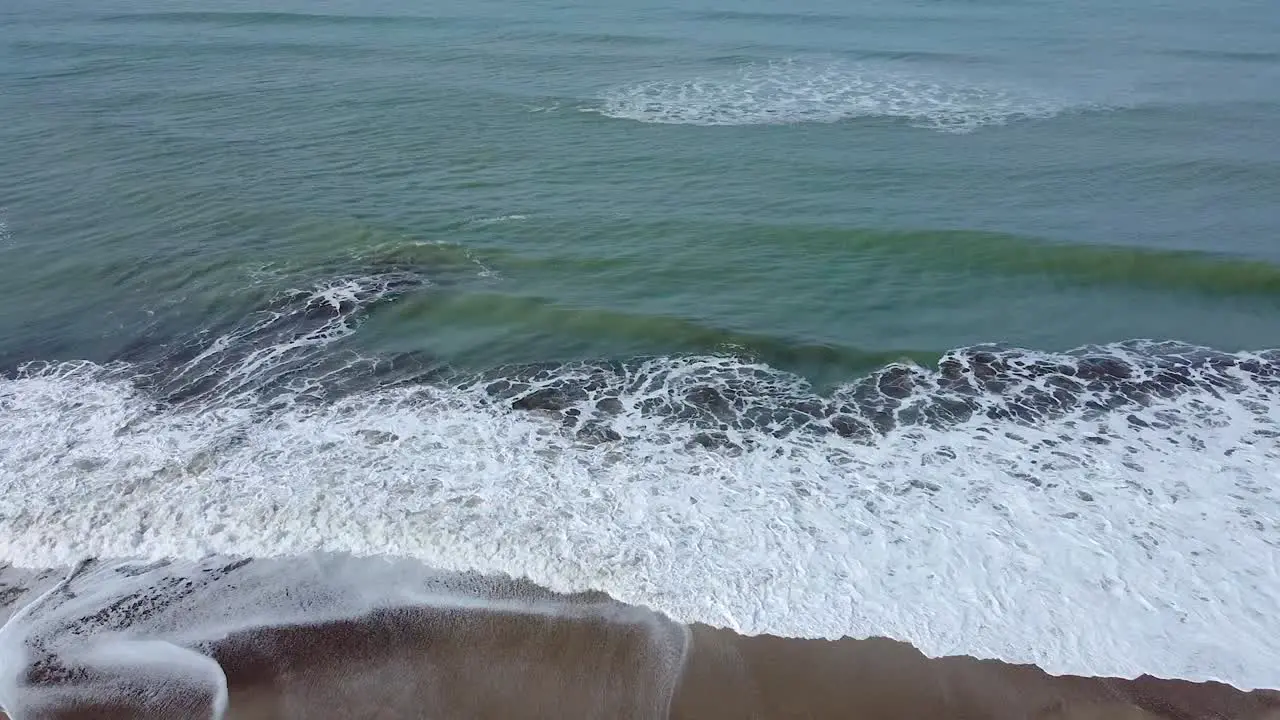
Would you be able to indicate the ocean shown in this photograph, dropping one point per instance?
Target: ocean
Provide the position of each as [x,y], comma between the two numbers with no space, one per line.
[949,321]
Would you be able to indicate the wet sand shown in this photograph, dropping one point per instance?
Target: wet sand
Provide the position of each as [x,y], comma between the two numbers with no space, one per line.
[594,658]
[592,669]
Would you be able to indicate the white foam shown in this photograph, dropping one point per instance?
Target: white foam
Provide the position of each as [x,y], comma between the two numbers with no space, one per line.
[484,271]
[481,221]
[6,236]
[1155,552]
[108,664]
[799,92]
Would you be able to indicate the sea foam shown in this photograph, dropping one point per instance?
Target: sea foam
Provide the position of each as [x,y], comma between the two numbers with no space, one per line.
[1113,511]
[1085,545]
[801,92]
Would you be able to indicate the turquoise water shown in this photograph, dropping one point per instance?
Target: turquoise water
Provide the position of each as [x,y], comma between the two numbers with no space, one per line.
[893,179]
[946,321]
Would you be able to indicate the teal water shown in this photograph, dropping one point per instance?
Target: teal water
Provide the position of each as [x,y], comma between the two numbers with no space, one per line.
[878,180]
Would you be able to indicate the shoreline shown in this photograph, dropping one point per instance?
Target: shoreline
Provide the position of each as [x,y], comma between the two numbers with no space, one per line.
[596,657]
[576,668]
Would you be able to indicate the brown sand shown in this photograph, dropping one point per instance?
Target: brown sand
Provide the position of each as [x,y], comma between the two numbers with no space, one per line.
[603,660]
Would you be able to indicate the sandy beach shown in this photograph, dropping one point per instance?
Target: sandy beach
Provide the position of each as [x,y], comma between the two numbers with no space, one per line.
[587,656]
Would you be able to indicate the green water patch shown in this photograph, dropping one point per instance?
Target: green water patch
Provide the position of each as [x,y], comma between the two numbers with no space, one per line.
[996,254]
[777,249]
[1085,264]
[481,329]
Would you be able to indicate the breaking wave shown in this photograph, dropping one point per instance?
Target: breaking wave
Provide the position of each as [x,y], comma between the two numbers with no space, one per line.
[1108,511]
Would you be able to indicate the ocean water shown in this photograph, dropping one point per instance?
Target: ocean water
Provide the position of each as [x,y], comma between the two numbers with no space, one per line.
[947,321]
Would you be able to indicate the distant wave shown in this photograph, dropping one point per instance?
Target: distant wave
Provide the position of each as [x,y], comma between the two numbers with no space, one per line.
[1226,56]
[1110,511]
[799,92]
[775,18]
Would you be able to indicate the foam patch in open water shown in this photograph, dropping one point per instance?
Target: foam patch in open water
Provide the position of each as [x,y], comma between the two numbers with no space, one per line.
[802,92]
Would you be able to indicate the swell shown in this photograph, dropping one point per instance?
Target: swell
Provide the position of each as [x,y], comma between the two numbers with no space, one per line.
[726,389]
[781,18]
[179,304]
[954,252]
[107,59]
[279,333]
[1088,264]
[595,40]
[1225,56]
[267,18]
[189,342]
[523,319]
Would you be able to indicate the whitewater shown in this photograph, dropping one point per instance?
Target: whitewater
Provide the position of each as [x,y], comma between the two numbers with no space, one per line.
[1110,511]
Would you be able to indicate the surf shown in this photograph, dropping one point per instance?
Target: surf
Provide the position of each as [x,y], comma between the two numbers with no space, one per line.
[1126,491]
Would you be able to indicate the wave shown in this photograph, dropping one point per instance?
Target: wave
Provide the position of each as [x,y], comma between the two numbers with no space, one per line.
[639,333]
[773,18]
[1108,511]
[951,252]
[262,18]
[1227,56]
[1080,263]
[799,92]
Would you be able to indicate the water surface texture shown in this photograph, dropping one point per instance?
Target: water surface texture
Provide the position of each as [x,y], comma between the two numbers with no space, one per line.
[946,321]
